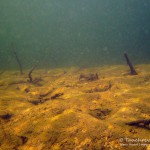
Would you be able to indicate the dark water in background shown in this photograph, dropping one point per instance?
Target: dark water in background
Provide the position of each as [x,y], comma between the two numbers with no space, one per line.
[74,32]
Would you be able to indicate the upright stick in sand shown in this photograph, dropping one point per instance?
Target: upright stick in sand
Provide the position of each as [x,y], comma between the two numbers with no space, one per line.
[17,59]
[132,70]
[30,72]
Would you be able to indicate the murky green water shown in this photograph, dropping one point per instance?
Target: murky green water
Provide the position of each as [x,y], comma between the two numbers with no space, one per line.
[74,32]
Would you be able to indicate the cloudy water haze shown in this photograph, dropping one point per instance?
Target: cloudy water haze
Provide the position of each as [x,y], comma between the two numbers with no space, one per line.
[74,74]
[62,33]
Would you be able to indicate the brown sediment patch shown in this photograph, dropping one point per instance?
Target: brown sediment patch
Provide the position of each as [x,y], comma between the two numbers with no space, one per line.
[100,113]
[88,77]
[102,88]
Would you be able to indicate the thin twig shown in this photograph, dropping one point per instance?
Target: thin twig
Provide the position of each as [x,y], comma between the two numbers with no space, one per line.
[30,72]
[17,59]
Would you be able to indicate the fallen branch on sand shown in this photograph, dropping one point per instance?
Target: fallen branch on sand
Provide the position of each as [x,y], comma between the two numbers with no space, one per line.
[132,70]
[56,95]
[140,123]
[42,100]
[47,93]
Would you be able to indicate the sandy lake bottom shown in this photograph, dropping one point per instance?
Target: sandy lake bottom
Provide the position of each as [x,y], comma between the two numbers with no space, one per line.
[75,109]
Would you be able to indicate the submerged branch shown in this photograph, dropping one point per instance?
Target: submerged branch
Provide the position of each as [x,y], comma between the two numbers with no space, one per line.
[17,59]
[30,72]
[47,93]
[140,123]
[132,70]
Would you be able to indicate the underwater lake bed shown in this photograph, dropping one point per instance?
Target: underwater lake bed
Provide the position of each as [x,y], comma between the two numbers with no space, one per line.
[75,108]
[75,75]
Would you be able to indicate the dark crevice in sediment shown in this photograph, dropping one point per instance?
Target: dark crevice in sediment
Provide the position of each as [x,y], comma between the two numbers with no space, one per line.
[6,116]
[24,139]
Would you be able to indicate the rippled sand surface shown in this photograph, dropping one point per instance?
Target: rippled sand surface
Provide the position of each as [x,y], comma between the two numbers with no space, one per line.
[61,111]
